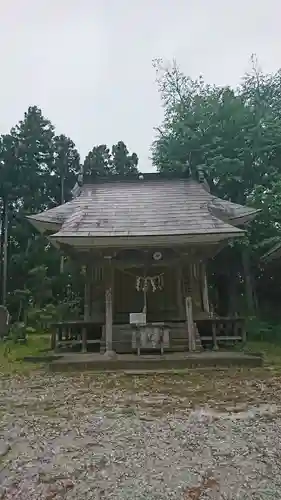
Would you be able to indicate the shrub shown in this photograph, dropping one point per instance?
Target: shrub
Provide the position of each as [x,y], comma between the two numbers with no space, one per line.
[258,330]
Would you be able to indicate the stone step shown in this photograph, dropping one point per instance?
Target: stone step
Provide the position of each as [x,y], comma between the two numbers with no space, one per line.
[82,362]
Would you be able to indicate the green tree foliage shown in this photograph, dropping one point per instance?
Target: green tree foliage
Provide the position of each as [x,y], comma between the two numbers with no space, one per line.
[97,162]
[122,163]
[233,134]
[65,167]
[228,132]
[35,157]
[11,179]
[38,169]
[101,162]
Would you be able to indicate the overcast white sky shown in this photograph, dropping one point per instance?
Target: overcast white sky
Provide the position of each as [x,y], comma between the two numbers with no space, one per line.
[88,63]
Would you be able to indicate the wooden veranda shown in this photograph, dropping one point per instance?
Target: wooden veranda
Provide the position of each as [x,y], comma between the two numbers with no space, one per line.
[84,336]
[136,307]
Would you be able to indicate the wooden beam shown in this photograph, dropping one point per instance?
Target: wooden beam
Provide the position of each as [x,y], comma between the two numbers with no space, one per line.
[214,335]
[182,253]
[53,338]
[108,310]
[204,287]
[84,339]
[87,306]
[190,324]
[180,292]
[108,319]
[213,250]
[87,295]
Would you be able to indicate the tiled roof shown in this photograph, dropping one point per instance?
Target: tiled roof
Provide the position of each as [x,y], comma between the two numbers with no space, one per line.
[140,208]
[56,215]
[232,212]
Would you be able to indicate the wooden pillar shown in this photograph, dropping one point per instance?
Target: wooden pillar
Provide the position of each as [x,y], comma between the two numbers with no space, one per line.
[195,286]
[97,298]
[108,310]
[180,292]
[53,338]
[87,307]
[84,339]
[204,287]
[214,335]
[190,324]
[87,295]
[57,338]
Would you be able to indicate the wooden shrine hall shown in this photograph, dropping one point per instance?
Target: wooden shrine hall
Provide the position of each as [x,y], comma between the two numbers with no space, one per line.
[144,245]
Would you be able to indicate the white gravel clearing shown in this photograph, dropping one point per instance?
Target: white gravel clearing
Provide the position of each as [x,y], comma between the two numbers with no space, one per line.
[61,441]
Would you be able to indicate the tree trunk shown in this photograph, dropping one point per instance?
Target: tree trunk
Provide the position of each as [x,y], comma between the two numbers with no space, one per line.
[4,251]
[222,293]
[62,202]
[250,302]
[232,293]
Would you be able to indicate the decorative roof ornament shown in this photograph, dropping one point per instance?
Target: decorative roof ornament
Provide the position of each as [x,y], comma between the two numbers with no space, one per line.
[76,191]
[157,256]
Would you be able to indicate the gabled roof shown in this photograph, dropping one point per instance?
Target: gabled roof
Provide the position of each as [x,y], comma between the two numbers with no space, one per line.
[143,208]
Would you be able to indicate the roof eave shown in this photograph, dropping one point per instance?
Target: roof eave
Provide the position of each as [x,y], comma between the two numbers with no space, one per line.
[245,218]
[43,226]
[144,240]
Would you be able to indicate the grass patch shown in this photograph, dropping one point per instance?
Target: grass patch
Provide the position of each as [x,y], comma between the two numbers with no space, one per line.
[271,352]
[12,355]
[12,361]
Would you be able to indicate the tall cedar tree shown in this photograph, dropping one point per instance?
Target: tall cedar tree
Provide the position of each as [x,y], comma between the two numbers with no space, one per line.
[100,162]
[39,164]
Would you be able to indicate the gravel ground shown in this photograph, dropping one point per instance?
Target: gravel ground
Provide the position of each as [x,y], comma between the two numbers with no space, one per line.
[90,437]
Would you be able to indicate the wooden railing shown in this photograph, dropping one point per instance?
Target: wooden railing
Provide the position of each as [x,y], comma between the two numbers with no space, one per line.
[214,333]
[218,331]
[68,334]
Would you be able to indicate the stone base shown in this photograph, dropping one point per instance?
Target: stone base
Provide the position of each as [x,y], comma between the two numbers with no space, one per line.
[153,363]
[110,354]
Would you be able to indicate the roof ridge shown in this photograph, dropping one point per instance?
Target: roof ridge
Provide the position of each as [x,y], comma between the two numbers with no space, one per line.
[112,180]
